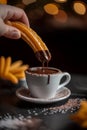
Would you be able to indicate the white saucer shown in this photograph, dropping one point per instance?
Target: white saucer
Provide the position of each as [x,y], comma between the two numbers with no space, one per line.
[24,94]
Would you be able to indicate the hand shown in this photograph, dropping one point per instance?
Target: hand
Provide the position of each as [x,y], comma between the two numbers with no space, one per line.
[8,12]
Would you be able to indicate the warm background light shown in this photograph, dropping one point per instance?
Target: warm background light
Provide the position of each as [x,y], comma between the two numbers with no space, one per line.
[51,9]
[3,1]
[61,1]
[79,8]
[61,16]
[26,2]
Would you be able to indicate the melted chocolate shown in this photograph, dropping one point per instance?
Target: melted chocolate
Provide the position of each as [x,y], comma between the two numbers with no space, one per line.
[44,70]
[43,56]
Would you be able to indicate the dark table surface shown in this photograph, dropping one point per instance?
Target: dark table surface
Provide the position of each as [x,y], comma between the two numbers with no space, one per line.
[17,114]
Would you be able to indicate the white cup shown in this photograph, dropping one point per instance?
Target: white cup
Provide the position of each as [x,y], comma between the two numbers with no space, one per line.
[45,85]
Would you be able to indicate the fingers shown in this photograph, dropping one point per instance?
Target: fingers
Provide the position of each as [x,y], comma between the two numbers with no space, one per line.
[11,32]
[8,31]
[12,71]
[8,12]
[24,18]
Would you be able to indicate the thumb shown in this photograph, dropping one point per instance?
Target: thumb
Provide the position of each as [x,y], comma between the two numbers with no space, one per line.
[11,32]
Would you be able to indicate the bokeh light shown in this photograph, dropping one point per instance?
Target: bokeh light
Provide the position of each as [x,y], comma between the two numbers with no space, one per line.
[61,16]
[61,1]
[79,7]
[51,9]
[26,2]
[3,1]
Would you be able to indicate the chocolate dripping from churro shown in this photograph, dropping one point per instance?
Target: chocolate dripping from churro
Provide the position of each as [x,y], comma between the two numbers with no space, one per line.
[44,56]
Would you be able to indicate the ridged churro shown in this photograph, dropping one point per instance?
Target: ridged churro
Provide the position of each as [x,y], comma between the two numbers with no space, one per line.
[34,41]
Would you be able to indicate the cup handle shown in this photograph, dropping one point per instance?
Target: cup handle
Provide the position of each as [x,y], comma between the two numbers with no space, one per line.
[66,80]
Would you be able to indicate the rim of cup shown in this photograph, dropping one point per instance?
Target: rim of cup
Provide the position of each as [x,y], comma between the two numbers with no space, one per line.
[51,68]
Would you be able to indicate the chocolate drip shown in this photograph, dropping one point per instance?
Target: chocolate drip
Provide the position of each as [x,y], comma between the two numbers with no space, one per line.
[48,79]
[43,56]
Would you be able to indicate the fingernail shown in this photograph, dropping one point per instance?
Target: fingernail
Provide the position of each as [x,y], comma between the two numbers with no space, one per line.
[15,34]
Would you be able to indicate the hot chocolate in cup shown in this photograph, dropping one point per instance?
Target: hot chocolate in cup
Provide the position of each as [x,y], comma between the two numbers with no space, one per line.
[44,82]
